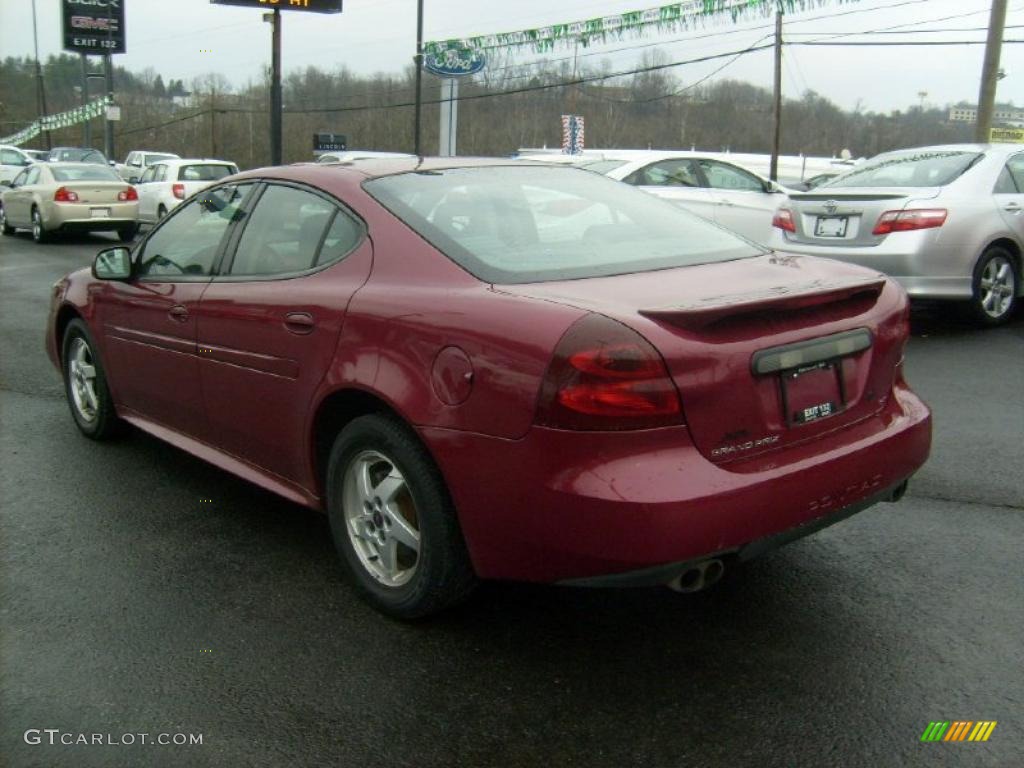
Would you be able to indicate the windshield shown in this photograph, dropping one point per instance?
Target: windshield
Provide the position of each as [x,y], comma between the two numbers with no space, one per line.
[602,166]
[205,172]
[155,158]
[84,173]
[925,168]
[530,224]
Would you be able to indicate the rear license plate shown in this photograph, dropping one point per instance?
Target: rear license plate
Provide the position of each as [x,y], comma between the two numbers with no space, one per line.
[831,226]
[812,393]
[99,213]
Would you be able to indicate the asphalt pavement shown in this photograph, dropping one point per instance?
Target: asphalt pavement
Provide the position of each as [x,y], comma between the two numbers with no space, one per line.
[145,592]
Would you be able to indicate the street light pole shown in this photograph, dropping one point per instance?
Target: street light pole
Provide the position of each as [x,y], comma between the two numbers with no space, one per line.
[773,172]
[40,88]
[275,91]
[990,71]
[419,78]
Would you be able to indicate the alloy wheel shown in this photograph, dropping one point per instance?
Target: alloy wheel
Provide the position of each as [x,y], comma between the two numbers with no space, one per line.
[998,287]
[82,380]
[381,518]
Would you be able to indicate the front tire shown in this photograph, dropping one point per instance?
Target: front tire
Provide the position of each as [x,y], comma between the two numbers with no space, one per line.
[39,234]
[5,228]
[393,521]
[85,384]
[996,280]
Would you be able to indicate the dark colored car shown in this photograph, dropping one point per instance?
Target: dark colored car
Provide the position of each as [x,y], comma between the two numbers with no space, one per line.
[76,155]
[499,371]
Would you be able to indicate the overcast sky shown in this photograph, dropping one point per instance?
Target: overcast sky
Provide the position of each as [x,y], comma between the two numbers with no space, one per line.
[379,35]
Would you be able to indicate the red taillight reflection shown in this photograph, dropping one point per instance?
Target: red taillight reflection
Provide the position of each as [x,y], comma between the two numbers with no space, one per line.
[127,195]
[65,195]
[905,221]
[178,190]
[784,220]
[607,376]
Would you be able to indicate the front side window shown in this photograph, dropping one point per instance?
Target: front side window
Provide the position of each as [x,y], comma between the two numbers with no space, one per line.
[10,157]
[187,243]
[20,179]
[156,158]
[284,233]
[725,176]
[521,224]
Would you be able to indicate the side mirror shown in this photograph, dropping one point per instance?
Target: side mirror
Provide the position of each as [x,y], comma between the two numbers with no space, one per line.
[133,180]
[113,264]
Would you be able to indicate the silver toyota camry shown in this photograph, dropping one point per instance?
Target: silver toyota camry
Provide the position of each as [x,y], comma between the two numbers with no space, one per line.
[947,222]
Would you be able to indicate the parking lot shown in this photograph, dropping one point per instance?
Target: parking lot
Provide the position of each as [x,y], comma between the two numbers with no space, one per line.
[144,591]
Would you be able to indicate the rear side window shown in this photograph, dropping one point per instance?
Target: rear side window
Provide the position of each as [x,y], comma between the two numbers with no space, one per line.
[284,233]
[205,172]
[724,176]
[1015,166]
[1005,185]
[909,169]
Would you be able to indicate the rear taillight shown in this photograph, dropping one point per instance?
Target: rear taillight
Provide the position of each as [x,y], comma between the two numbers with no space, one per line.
[606,376]
[904,221]
[127,195]
[784,220]
[65,195]
[178,190]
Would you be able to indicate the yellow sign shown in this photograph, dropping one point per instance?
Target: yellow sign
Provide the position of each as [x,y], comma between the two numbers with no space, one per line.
[1007,135]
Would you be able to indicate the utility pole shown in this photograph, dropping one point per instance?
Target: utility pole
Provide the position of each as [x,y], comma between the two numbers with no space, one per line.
[108,72]
[40,88]
[990,71]
[777,112]
[419,79]
[86,124]
[275,90]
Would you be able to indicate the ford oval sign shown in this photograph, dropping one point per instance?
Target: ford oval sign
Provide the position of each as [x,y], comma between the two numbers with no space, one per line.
[455,62]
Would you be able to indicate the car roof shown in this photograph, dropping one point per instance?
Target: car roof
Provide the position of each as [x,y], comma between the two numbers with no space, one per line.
[196,161]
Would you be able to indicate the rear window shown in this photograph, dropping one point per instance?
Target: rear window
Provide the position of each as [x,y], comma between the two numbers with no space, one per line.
[908,169]
[205,172]
[78,156]
[531,224]
[86,173]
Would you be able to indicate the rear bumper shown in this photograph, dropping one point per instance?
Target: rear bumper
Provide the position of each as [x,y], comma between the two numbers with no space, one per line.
[924,266]
[570,506]
[76,217]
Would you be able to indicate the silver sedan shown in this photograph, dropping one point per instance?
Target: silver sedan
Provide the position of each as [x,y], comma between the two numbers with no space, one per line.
[947,222]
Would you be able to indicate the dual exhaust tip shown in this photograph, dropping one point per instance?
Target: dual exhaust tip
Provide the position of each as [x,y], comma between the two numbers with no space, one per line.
[698,577]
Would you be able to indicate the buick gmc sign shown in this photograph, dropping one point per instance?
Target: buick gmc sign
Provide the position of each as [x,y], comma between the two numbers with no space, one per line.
[94,26]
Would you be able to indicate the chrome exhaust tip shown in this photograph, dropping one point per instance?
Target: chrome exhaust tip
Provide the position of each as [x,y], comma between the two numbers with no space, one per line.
[698,577]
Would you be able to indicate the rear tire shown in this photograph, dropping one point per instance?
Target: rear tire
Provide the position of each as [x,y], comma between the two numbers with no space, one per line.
[5,228]
[127,234]
[39,234]
[393,521]
[85,385]
[160,213]
[995,285]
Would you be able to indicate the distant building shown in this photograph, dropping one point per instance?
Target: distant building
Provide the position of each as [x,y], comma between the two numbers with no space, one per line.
[1004,113]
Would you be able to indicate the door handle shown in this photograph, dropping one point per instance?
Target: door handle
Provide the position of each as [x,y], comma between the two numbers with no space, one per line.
[723,201]
[299,322]
[1012,208]
[178,313]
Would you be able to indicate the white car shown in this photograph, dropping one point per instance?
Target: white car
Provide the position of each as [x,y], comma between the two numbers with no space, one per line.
[166,184]
[720,191]
[12,161]
[138,161]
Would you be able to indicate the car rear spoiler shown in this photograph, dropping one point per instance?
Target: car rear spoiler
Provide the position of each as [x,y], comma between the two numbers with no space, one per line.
[705,312]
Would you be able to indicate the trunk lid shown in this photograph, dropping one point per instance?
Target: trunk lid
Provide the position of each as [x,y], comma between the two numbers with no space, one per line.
[96,192]
[845,217]
[766,352]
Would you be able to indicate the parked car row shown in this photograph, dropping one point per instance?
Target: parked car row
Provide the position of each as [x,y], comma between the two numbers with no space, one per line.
[947,222]
[61,196]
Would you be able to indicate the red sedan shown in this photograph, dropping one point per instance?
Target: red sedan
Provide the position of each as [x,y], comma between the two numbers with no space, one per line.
[499,370]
